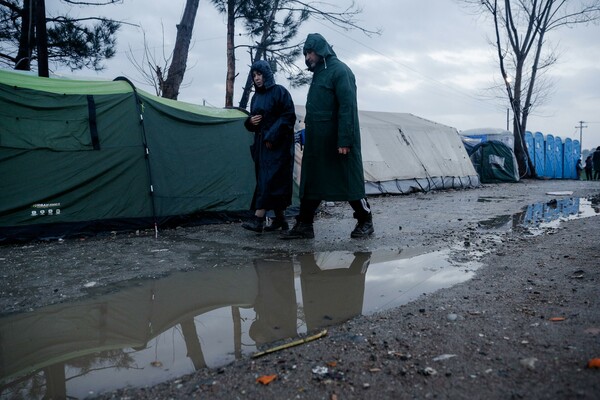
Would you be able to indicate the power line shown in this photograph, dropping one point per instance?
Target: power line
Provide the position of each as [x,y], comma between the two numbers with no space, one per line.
[413,70]
[581,126]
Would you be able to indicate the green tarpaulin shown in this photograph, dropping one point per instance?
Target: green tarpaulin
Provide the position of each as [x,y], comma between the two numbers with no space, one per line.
[84,156]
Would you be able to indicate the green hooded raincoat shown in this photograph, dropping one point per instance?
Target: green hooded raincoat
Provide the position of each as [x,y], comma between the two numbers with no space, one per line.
[331,122]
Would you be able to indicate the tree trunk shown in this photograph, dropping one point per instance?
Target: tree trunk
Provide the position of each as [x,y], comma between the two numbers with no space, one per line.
[41,38]
[519,135]
[532,173]
[247,89]
[178,66]
[520,148]
[230,79]
[248,86]
[23,61]
[260,52]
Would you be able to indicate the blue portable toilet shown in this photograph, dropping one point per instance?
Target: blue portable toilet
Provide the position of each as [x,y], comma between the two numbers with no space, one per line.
[540,149]
[569,160]
[549,157]
[558,158]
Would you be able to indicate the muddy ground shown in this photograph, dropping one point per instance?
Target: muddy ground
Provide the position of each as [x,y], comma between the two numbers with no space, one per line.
[493,336]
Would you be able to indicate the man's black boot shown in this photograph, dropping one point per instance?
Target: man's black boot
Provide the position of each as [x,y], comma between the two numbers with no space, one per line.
[256,224]
[276,224]
[363,228]
[301,230]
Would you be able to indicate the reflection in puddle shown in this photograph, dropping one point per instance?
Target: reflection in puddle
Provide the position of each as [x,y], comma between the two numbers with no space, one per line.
[539,216]
[162,329]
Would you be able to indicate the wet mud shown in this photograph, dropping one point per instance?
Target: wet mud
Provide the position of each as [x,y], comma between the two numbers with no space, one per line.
[453,294]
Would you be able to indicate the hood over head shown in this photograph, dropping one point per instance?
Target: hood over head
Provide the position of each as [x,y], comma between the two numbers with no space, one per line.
[264,68]
[317,43]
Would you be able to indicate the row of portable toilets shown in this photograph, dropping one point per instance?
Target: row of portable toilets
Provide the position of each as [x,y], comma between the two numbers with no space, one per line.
[552,157]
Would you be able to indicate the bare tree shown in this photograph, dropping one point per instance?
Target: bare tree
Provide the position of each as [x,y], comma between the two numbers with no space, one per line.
[166,75]
[150,67]
[523,53]
[272,25]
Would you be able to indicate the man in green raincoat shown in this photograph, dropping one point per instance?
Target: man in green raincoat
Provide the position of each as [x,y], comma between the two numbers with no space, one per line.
[331,163]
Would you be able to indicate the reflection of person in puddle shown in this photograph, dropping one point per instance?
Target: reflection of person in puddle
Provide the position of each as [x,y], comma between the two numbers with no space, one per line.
[275,305]
[332,288]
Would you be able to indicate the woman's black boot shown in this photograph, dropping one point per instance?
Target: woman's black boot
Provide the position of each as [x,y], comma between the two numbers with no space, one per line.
[256,224]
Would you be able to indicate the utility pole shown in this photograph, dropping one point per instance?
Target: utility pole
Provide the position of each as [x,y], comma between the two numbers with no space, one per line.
[581,126]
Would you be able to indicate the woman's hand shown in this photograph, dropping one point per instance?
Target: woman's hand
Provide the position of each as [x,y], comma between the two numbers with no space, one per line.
[255,119]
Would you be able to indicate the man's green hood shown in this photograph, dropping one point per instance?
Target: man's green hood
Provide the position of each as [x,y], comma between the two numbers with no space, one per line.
[317,43]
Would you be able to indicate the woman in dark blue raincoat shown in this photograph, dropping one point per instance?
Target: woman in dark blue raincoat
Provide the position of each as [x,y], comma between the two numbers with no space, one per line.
[272,118]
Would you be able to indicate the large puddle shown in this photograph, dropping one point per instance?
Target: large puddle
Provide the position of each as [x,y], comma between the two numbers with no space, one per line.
[536,218]
[165,328]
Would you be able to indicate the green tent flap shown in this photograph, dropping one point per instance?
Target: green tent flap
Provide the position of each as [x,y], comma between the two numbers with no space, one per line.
[192,112]
[83,156]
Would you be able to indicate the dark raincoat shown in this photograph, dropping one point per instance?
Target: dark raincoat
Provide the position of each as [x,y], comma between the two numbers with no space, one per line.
[331,122]
[274,167]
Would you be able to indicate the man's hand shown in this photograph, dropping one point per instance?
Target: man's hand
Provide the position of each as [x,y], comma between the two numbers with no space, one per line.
[343,150]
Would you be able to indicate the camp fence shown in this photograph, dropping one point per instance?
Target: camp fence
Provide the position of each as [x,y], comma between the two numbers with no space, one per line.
[87,156]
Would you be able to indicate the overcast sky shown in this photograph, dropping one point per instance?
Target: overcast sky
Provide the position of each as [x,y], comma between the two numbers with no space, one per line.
[432,60]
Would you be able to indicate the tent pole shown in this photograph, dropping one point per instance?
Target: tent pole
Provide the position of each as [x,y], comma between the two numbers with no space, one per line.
[146,149]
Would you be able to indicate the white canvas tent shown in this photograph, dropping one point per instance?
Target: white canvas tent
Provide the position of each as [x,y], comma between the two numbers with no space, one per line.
[477,135]
[403,153]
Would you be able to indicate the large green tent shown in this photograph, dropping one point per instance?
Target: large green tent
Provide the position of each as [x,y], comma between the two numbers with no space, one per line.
[85,156]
